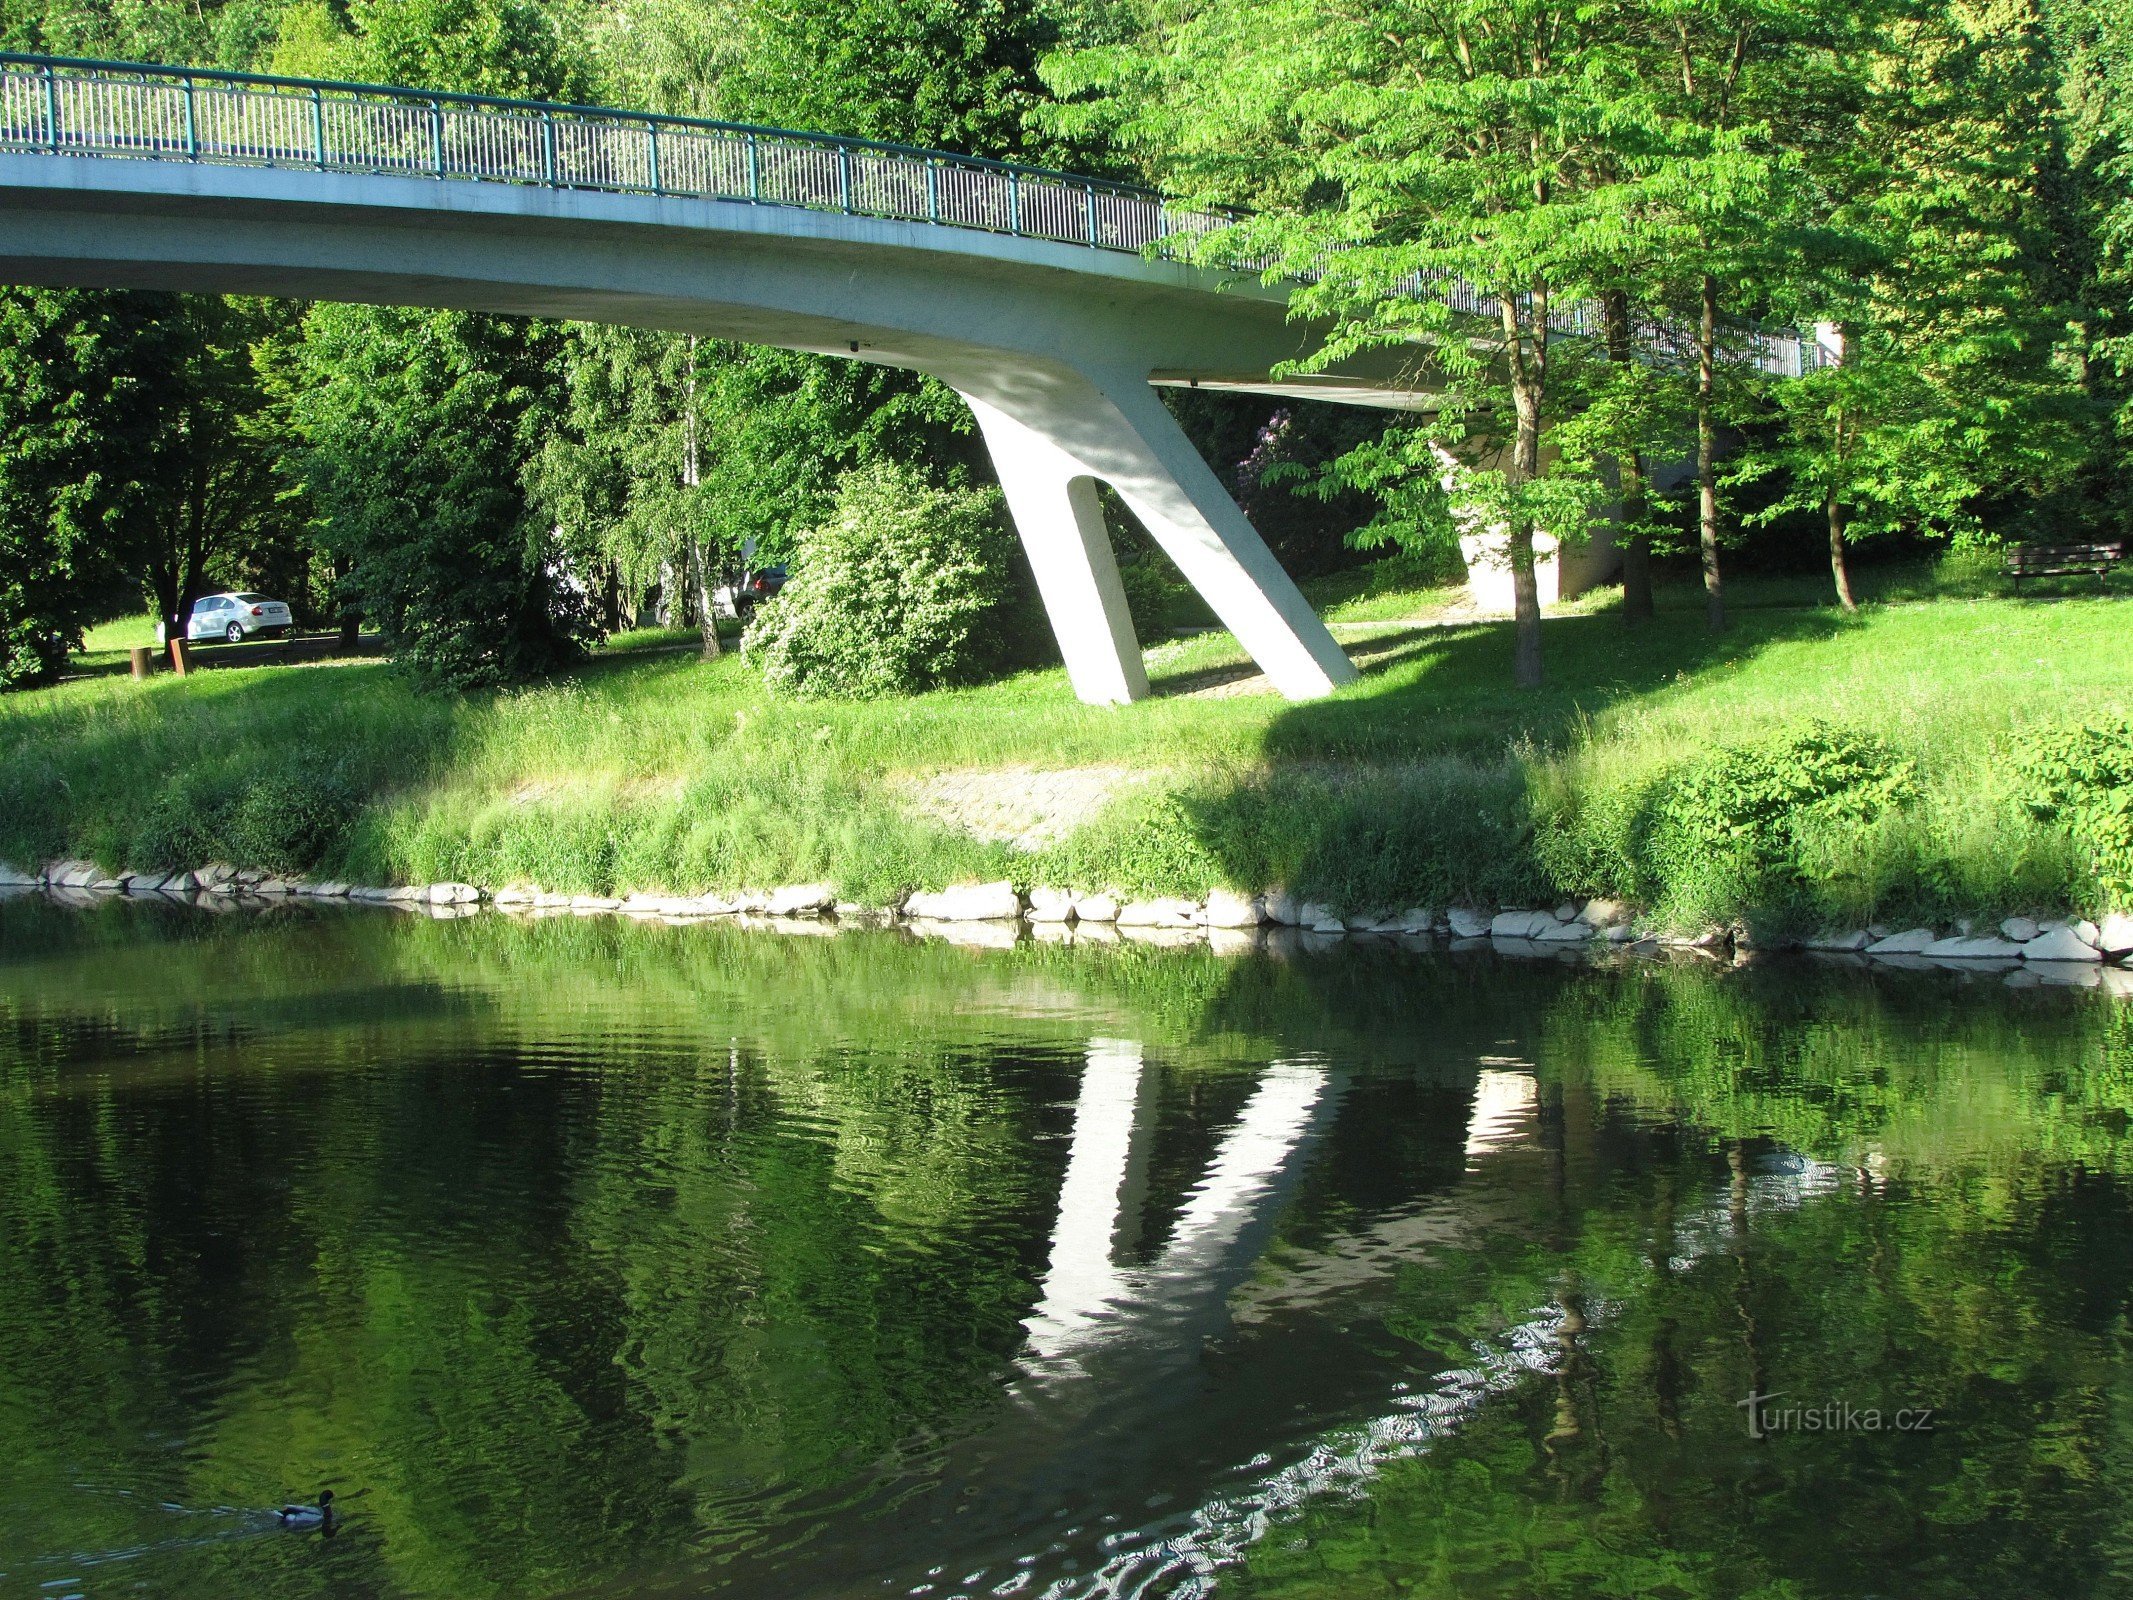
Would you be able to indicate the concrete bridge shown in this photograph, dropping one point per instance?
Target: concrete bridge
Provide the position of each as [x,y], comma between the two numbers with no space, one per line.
[1030,293]
[1042,298]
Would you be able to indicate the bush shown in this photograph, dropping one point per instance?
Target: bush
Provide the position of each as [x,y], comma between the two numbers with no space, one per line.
[907,587]
[1744,827]
[1738,827]
[2081,777]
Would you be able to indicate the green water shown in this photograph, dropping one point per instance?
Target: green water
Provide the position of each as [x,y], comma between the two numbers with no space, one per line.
[591,1258]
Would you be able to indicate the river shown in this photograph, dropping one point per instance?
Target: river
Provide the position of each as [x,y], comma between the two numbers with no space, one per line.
[592,1257]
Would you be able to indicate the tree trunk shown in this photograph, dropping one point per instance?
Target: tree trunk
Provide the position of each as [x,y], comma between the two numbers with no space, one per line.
[1636,545]
[706,617]
[1525,583]
[1707,454]
[611,600]
[1838,568]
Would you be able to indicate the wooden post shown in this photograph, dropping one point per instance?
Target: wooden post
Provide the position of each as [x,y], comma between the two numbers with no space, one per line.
[180,657]
[144,659]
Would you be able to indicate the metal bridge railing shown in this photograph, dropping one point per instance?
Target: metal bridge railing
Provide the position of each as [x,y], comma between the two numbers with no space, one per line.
[63,106]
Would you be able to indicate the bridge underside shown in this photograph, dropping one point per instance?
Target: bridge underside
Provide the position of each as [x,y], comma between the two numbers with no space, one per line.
[1054,346]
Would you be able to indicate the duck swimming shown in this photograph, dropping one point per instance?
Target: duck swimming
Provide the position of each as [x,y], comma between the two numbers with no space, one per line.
[318,1516]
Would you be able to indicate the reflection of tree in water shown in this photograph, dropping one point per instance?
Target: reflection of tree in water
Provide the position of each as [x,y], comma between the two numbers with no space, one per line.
[592,1249]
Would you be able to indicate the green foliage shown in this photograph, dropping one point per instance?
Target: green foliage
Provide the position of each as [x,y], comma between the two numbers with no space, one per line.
[1744,829]
[80,388]
[415,427]
[2081,778]
[906,587]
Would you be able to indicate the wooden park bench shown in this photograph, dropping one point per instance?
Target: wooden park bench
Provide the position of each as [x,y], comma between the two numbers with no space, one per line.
[2061,560]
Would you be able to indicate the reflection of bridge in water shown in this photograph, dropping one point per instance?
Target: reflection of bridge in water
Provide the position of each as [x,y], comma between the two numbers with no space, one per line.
[1145,1441]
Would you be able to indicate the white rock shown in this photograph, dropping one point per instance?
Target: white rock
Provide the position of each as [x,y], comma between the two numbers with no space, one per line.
[1567,911]
[1165,911]
[1225,908]
[1467,923]
[2060,944]
[518,894]
[1600,913]
[370,893]
[280,888]
[399,892]
[1618,933]
[1979,949]
[1098,909]
[1910,942]
[1520,924]
[1415,919]
[15,875]
[1570,932]
[2088,933]
[1282,908]
[2020,929]
[1319,919]
[1051,905]
[967,902]
[453,894]
[2115,937]
[802,899]
[1857,939]
[594,902]
[105,885]
[77,874]
[1879,930]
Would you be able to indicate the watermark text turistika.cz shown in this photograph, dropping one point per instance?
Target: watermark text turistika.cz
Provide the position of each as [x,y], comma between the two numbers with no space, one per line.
[1766,1417]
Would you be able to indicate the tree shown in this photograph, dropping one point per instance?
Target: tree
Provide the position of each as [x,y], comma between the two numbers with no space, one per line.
[206,483]
[1390,146]
[1952,390]
[1732,91]
[78,402]
[415,427]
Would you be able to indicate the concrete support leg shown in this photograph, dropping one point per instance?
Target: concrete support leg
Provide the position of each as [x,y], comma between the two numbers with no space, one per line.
[1114,428]
[1061,522]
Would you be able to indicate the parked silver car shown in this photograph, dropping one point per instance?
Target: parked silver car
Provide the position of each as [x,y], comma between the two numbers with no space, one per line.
[238,617]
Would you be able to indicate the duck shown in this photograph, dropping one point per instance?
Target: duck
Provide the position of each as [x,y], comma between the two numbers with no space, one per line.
[318,1516]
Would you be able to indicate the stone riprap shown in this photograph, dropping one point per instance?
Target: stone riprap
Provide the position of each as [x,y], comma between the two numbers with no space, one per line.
[2056,950]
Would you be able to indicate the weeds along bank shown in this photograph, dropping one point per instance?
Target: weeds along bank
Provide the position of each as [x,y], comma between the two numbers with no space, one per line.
[1920,765]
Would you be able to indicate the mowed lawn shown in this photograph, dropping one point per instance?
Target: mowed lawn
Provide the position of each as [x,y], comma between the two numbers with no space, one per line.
[650,768]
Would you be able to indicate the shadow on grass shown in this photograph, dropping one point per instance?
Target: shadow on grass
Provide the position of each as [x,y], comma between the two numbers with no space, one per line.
[1410,789]
[304,649]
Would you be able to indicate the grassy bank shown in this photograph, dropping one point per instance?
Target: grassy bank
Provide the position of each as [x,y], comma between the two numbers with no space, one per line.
[1429,782]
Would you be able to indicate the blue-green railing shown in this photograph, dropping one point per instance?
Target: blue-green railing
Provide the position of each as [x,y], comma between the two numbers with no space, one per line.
[63,106]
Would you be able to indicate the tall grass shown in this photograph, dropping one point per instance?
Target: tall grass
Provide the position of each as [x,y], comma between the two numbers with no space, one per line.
[1430,781]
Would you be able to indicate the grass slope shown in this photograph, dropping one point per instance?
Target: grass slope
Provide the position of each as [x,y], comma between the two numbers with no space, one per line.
[1430,781]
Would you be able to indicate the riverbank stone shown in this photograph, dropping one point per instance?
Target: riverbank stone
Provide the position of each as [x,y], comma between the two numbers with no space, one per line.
[801,900]
[2060,943]
[1164,911]
[1467,923]
[1098,909]
[1051,905]
[1225,908]
[1910,942]
[2020,929]
[1972,949]
[966,902]
[2115,936]
[1521,924]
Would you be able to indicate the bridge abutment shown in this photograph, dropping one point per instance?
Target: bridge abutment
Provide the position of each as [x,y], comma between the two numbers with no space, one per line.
[1054,434]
